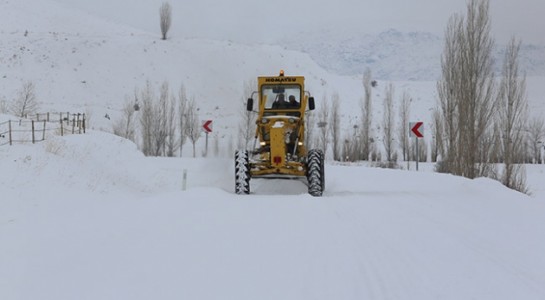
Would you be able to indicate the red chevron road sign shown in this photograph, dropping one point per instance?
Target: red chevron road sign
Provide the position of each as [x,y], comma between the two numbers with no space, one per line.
[207,126]
[415,130]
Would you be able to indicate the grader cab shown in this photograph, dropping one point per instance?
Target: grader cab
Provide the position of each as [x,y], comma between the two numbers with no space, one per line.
[279,148]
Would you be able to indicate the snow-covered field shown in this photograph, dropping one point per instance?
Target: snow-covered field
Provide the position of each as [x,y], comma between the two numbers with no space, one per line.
[89,217]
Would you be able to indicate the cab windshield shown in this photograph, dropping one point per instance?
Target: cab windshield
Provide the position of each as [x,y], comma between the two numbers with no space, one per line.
[281,96]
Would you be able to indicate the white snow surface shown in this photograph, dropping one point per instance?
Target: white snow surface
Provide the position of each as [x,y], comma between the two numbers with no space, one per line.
[89,217]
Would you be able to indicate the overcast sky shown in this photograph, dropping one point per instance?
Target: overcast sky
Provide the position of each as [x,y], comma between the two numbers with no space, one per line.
[259,20]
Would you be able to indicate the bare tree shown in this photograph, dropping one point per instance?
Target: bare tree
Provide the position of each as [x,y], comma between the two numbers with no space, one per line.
[446,114]
[26,102]
[159,128]
[404,118]
[536,137]
[171,143]
[335,124]
[192,128]
[323,118]
[147,117]
[165,15]
[422,153]
[496,152]
[388,122]
[513,116]
[366,116]
[153,120]
[125,127]
[310,125]
[352,143]
[437,132]
[466,92]
[246,126]
[182,116]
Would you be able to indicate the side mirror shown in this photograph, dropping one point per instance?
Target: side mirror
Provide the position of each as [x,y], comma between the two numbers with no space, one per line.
[250,104]
[311,105]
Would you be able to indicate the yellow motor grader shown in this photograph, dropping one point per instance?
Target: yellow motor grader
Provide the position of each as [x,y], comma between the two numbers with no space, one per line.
[279,148]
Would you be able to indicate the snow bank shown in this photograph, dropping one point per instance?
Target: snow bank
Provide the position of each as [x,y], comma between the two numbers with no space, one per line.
[94,162]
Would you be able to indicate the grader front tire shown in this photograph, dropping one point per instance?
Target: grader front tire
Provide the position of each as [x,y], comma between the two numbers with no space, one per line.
[242,172]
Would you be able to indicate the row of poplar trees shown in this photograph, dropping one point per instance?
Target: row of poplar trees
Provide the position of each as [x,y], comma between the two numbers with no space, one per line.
[481,120]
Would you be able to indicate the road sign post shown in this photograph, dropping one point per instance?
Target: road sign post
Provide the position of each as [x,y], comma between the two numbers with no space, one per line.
[417,131]
[207,128]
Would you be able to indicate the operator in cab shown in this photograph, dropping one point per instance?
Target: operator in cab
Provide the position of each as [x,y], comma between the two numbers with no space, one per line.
[280,102]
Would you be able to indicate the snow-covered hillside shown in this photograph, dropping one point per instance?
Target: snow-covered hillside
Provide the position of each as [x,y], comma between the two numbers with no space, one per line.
[82,63]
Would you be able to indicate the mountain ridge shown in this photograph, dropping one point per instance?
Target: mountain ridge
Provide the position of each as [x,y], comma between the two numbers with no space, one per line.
[393,54]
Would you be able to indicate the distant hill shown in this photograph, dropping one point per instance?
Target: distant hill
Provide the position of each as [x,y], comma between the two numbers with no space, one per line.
[392,54]
[79,62]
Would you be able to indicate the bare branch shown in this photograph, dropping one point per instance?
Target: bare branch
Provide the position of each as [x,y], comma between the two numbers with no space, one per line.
[26,102]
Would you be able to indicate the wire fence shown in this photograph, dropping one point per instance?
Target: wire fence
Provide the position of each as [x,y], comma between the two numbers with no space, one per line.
[38,127]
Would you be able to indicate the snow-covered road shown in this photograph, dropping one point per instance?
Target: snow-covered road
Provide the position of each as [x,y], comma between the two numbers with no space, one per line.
[112,224]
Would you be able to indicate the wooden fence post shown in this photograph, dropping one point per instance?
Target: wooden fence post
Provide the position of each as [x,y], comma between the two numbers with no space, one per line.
[33,137]
[77,122]
[43,134]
